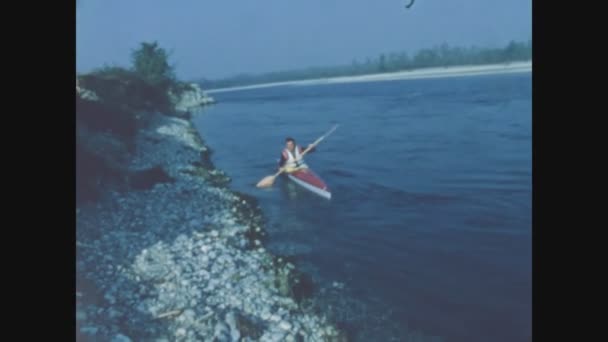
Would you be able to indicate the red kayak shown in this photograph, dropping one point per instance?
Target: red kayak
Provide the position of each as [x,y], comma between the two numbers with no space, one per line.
[310,181]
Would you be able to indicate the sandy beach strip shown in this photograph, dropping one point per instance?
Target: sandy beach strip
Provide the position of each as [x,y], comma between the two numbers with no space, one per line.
[436,72]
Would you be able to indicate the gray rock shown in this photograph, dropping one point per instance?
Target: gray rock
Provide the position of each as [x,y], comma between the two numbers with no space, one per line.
[110,298]
[81,315]
[285,325]
[231,322]
[112,313]
[222,332]
[277,336]
[89,330]
[120,338]
[180,332]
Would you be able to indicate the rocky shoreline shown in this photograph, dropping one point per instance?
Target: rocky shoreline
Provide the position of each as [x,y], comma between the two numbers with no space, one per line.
[180,257]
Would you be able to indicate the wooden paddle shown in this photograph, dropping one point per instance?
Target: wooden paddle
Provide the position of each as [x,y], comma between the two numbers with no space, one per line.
[268,181]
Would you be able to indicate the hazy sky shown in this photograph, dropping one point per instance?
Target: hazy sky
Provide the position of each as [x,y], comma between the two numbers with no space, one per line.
[219,38]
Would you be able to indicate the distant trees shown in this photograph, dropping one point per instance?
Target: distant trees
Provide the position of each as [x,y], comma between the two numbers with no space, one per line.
[438,56]
[382,63]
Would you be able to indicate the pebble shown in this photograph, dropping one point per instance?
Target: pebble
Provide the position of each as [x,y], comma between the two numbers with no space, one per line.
[120,338]
[81,315]
[89,330]
[285,325]
[110,298]
[113,313]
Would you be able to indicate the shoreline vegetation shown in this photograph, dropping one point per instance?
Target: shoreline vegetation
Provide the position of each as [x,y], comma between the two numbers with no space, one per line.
[439,61]
[165,250]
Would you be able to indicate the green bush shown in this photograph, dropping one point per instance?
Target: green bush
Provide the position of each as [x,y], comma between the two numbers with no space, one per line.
[126,89]
[92,171]
[101,117]
[123,96]
[151,63]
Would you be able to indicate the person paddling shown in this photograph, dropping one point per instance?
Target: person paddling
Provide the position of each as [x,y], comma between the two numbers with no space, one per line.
[291,156]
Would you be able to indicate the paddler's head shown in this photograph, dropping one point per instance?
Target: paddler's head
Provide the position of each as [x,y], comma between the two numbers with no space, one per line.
[290,143]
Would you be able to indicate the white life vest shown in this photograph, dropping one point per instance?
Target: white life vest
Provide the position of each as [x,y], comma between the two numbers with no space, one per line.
[291,162]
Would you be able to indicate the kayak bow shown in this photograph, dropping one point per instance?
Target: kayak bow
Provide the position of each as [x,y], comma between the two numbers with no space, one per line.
[310,181]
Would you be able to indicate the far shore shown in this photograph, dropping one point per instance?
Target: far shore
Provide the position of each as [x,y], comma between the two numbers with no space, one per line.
[453,71]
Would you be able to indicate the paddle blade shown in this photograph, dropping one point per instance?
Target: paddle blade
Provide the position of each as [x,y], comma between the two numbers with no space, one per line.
[266,182]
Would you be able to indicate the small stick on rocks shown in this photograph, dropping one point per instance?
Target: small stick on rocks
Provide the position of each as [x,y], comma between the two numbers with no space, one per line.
[170,313]
[80,244]
[205,317]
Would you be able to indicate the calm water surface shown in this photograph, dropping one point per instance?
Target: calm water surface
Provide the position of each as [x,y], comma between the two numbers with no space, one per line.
[428,232]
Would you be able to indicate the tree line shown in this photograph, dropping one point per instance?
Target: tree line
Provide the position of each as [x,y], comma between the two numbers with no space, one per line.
[438,56]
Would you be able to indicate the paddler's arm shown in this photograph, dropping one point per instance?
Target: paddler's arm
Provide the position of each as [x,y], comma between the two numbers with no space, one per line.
[282,161]
[313,149]
[302,150]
